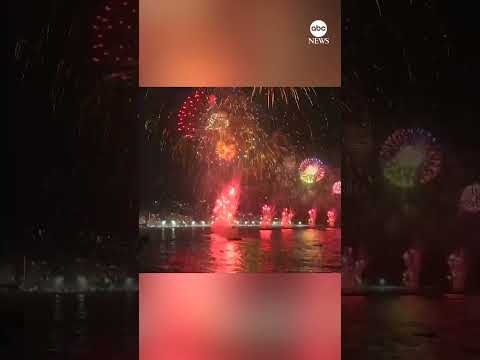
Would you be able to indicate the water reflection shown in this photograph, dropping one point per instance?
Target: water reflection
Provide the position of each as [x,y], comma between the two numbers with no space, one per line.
[241,250]
[224,253]
[410,327]
[80,341]
[80,326]
[55,335]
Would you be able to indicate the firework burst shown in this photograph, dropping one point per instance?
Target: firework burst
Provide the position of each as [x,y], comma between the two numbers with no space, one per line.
[115,33]
[312,216]
[286,95]
[226,205]
[219,120]
[190,111]
[268,212]
[226,150]
[410,157]
[470,198]
[228,134]
[337,188]
[311,170]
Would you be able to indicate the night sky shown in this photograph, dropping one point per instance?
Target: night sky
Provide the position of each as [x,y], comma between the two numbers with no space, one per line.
[312,130]
[72,128]
[408,64]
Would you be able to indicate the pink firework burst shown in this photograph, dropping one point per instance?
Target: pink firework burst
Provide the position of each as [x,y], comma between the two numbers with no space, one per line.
[311,170]
[190,111]
[115,37]
[411,157]
[226,205]
[337,187]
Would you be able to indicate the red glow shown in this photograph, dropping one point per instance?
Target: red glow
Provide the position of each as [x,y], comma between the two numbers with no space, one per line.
[227,254]
[189,112]
[248,316]
[312,217]
[331,217]
[267,215]
[212,100]
[287,217]
[225,151]
[337,188]
[226,205]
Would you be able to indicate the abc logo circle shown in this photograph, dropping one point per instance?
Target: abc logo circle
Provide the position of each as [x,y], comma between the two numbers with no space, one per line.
[318,28]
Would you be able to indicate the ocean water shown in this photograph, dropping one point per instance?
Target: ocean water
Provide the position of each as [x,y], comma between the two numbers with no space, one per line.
[410,327]
[241,250]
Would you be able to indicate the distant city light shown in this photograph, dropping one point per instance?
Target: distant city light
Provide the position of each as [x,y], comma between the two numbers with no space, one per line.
[58,281]
[82,282]
[129,283]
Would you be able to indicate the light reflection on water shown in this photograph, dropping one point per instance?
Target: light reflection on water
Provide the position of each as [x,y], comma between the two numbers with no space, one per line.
[241,250]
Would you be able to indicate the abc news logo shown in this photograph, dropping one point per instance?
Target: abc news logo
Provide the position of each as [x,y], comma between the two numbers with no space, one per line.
[318,29]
